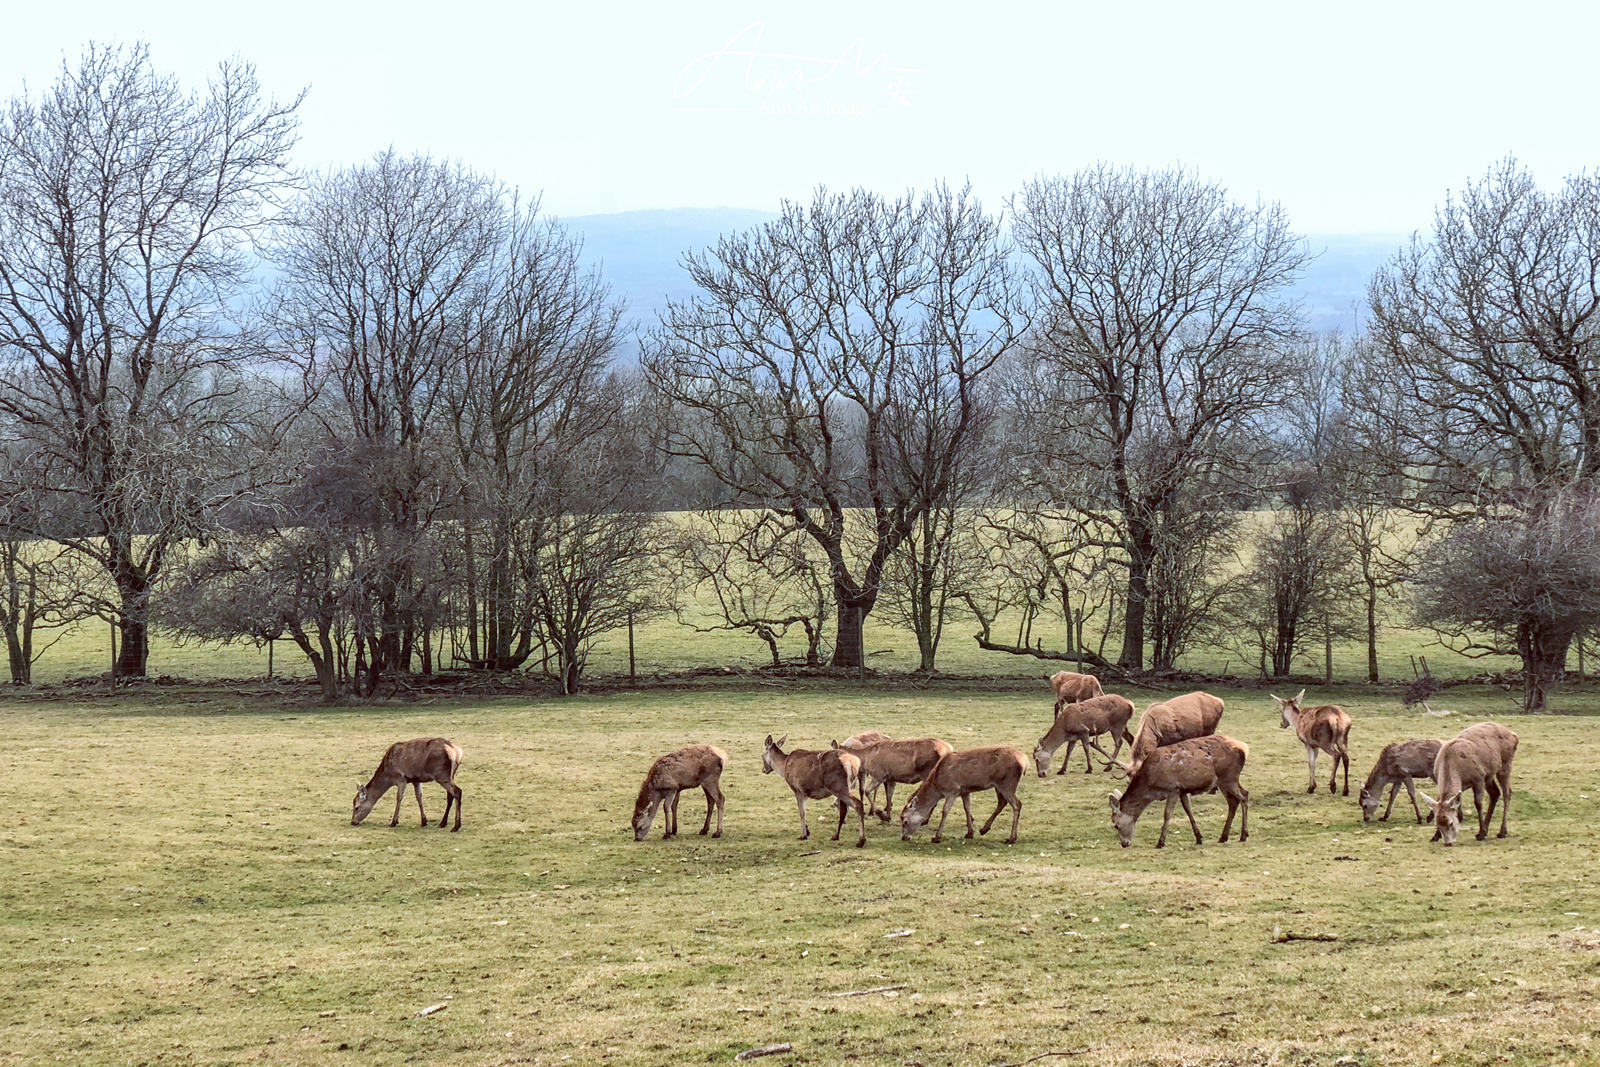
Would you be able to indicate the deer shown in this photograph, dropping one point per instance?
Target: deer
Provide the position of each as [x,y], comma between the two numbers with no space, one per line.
[695,767]
[1071,688]
[1478,758]
[1166,722]
[1174,772]
[422,759]
[833,772]
[1083,721]
[960,774]
[888,762]
[1325,728]
[1397,765]
[856,744]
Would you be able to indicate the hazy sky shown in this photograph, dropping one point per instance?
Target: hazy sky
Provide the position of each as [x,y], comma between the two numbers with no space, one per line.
[1358,117]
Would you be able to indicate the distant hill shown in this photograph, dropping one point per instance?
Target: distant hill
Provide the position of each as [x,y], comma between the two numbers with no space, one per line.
[640,253]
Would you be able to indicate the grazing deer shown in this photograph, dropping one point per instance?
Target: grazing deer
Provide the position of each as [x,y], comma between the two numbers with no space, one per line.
[865,738]
[960,774]
[887,762]
[1173,772]
[422,759]
[695,767]
[1071,688]
[1478,758]
[1167,722]
[1325,728]
[1397,765]
[1083,722]
[833,772]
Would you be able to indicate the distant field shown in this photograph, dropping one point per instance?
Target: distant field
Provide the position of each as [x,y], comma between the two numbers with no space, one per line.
[181,885]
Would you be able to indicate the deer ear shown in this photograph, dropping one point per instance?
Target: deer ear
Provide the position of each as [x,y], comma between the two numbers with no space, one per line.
[834,742]
[781,740]
[1116,801]
[769,740]
[1301,697]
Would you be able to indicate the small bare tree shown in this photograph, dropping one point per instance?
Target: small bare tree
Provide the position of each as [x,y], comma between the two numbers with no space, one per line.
[126,208]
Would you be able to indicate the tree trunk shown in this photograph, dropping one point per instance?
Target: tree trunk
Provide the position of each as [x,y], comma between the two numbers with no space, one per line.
[1544,663]
[1141,551]
[134,657]
[849,653]
[1372,630]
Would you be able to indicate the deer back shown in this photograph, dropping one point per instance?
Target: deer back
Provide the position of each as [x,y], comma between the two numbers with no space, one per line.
[1473,756]
[421,759]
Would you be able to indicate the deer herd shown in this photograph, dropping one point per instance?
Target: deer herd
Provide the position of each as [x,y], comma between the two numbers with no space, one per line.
[1174,753]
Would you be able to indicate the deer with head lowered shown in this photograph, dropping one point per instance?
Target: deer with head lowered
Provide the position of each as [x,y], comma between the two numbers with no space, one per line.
[960,774]
[1478,758]
[889,762]
[1071,687]
[1082,722]
[695,767]
[1166,722]
[422,759]
[1397,765]
[1173,773]
[833,772]
[1324,728]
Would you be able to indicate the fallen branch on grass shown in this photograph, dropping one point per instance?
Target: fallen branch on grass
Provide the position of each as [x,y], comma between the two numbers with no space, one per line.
[1043,1055]
[764,1050]
[865,992]
[1281,938]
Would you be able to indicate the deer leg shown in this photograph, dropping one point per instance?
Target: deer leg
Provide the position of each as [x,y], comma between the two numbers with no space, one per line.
[966,804]
[998,808]
[1244,814]
[1183,798]
[1088,761]
[705,827]
[805,831]
[939,833]
[1411,791]
[672,814]
[1165,819]
[1016,817]
[416,787]
[1505,801]
[1394,787]
[1227,824]
[888,799]
[449,801]
[399,799]
[861,819]
[1485,819]
[1068,757]
[1344,756]
[457,790]
[1311,759]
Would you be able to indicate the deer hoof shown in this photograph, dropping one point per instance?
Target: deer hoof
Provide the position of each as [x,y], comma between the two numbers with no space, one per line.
[1312,788]
[717,834]
[861,843]
[453,829]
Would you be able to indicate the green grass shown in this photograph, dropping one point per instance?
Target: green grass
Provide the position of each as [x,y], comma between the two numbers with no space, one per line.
[181,885]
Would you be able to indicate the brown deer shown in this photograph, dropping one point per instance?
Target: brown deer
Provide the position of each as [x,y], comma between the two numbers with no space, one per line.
[865,738]
[1173,772]
[960,774]
[422,759]
[1397,765]
[695,767]
[889,762]
[833,772]
[1083,722]
[1478,758]
[1324,728]
[1166,722]
[1070,687]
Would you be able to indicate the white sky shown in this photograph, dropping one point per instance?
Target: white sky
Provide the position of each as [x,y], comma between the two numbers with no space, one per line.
[1357,116]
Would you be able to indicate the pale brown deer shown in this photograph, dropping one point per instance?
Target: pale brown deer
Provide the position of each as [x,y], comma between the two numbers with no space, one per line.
[960,774]
[1397,765]
[1478,758]
[889,762]
[832,772]
[1082,722]
[1070,687]
[422,759]
[1324,728]
[1173,773]
[1166,722]
[856,744]
[696,767]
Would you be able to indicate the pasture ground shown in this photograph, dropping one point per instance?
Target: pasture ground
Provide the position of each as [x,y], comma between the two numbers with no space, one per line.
[181,885]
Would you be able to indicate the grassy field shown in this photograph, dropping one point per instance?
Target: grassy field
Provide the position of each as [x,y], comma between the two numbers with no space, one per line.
[182,885]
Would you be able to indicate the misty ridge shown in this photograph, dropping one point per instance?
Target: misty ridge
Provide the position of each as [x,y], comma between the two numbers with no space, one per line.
[640,254]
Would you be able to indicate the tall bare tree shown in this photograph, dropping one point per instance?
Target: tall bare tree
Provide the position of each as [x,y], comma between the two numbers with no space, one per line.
[792,368]
[1488,334]
[126,207]
[1164,321]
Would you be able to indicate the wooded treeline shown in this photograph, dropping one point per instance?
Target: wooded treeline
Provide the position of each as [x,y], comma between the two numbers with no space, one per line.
[410,447]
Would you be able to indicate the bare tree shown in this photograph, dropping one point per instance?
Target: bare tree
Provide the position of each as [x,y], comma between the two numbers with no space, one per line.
[383,271]
[126,205]
[792,367]
[1165,328]
[758,571]
[1487,336]
[1523,581]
